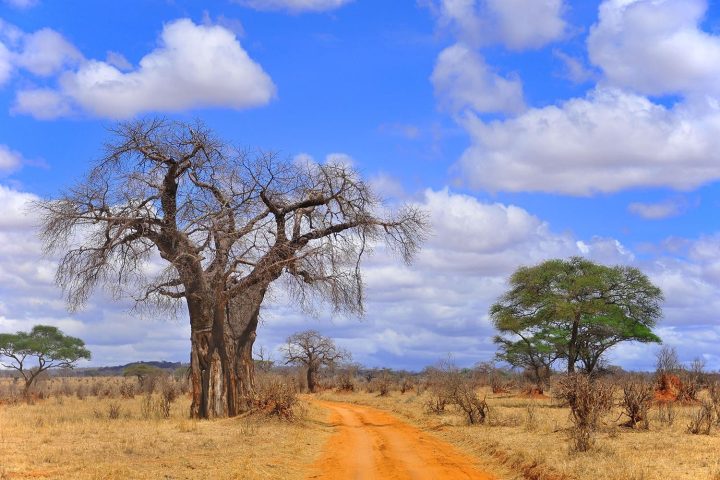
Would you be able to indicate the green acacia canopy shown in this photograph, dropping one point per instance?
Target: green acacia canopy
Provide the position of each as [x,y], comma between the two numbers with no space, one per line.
[574,310]
[47,345]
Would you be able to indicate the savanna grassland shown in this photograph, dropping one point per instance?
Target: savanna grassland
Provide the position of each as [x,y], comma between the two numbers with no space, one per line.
[114,428]
[114,435]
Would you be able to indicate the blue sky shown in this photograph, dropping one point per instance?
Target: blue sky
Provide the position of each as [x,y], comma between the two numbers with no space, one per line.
[529,129]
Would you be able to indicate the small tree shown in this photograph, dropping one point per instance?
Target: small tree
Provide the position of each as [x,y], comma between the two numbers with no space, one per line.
[312,350]
[263,360]
[142,371]
[47,345]
[666,361]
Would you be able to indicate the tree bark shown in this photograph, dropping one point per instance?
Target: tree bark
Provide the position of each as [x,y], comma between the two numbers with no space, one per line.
[572,347]
[311,379]
[221,363]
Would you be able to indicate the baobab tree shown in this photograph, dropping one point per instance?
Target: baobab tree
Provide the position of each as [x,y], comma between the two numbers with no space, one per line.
[225,224]
[312,351]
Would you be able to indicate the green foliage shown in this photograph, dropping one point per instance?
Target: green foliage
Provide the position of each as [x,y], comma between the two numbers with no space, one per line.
[142,371]
[47,345]
[574,310]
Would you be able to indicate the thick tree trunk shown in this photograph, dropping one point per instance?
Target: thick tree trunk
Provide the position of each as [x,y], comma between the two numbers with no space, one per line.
[311,379]
[221,364]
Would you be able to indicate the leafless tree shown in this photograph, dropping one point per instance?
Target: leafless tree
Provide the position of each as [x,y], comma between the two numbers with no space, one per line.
[312,351]
[666,361]
[225,224]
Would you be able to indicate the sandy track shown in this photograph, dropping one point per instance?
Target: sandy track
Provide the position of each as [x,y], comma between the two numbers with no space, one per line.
[373,444]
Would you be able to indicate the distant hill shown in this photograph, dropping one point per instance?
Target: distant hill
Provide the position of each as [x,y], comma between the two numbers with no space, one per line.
[118,369]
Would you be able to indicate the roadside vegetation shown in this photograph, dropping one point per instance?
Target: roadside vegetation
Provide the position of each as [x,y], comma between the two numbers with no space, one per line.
[616,425]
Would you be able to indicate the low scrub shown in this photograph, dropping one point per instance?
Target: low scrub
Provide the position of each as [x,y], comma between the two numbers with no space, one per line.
[276,396]
[589,400]
[636,401]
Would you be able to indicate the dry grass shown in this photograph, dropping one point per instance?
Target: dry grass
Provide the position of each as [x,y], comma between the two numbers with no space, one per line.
[66,437]
[526,438]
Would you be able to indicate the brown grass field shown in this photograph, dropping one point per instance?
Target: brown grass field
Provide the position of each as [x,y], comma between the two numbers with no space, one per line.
[67,437]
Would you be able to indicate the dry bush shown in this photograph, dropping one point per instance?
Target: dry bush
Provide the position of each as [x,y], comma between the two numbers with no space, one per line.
[689,387]
[702,420]
[448,386]
[714,394]
[636,401]
[497,384]
[10,392]
[81,392]
[114,410]
[666,413]
[146,406]
[436,403]
[276,396]
[127,389]
[383,387]
[530,417]
[442,383]
[405,385]
[467,400]
[64,388]
[420,385]
[588,400]
[168,394]
[345,382]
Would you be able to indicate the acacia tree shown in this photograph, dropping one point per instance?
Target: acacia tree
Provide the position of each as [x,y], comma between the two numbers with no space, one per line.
[226,224]
[574,310]
[535,352]
[48,346]
[313,351]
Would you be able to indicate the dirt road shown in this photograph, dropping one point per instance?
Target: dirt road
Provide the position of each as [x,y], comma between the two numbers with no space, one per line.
[373,444]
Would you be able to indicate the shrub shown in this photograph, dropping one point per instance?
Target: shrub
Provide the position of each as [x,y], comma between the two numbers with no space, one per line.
[465,398]
[383,385]
[345,382]
[637,397]
[666,413]
[127,389]
[114,410]
[702,420]
[714,394]
[588,400]
[405,385]
[276,396]
[168,394]
[436,404]
[146,406]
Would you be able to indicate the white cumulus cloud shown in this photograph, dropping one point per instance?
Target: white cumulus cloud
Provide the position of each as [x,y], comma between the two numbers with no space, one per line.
[195,66]
[42,53]
[517,24]
[46,52]
[606,142]
[10,160]
[656,47]
[462,79]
